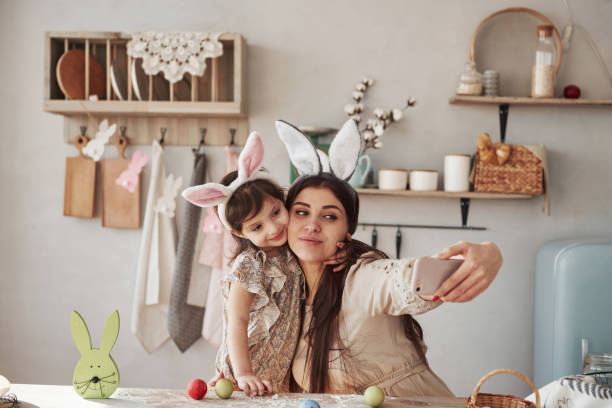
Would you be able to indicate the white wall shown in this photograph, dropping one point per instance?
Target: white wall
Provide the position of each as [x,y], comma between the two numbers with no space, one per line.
[303,60]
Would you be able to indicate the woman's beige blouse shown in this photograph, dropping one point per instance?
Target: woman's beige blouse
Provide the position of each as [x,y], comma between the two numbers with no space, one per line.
[376,294]
[273,329]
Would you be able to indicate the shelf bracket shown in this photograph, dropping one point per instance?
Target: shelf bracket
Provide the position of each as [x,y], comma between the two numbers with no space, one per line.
[465,209]
[504,110]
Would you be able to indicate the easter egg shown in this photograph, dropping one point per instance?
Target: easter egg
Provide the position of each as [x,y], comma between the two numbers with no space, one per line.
[224,388]
[374,396]
[308,404]
[197,389]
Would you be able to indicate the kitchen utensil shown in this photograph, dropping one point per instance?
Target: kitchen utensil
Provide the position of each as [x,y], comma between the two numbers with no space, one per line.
[374,236]
[120,207]
[118,76]
[70,73]
[80,182]
[398,242]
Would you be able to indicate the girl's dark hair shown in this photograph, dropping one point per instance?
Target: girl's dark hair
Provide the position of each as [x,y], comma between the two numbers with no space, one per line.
[246,202]
[323,331]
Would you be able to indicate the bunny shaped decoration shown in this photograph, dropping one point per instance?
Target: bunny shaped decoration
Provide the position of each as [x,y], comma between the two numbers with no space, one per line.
[165,203]
[96,375]
[95,147]
[249,168]
[343,151]
[128,179]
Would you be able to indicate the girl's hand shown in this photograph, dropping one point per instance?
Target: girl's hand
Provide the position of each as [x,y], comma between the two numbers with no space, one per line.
[482,262]
[252,385]
[339,258]
[213,381]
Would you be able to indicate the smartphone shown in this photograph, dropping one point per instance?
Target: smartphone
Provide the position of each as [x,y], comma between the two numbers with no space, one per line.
[429,273]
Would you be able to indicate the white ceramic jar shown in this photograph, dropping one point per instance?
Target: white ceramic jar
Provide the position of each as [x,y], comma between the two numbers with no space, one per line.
[392,179]
[423,180]
[456,172]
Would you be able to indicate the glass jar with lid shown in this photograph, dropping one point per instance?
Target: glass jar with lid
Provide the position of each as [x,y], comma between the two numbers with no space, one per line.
[544,71]
[470,81]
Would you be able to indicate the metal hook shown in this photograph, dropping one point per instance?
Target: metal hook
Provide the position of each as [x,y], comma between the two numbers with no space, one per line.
[162,130]
[232,136]
[122,129]
[203,134]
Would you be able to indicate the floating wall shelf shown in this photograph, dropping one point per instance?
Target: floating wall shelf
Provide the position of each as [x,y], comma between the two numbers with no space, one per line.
[464,203]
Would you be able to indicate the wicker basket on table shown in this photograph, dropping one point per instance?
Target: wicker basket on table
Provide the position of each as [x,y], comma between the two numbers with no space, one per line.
[521,173]
[480,400]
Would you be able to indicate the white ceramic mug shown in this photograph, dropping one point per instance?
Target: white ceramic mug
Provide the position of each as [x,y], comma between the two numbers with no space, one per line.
[423,180]
[392,179]
[456,172]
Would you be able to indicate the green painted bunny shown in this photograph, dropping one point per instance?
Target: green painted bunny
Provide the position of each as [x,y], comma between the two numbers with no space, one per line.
[96,375]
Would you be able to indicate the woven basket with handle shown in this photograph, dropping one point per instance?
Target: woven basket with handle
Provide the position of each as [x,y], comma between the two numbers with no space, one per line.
[481,400]
[522,173]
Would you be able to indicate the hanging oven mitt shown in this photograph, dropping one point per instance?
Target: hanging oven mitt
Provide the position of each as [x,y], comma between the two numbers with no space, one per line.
[185,320]
[156,260]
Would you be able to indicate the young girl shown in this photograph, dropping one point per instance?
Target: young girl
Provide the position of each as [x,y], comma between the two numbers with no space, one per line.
[261,319]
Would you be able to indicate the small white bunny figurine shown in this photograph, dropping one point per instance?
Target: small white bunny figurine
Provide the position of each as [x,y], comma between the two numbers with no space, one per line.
[95,147]
[166,204]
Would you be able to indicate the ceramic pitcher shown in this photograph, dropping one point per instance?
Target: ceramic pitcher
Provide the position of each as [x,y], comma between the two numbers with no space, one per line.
[358,179]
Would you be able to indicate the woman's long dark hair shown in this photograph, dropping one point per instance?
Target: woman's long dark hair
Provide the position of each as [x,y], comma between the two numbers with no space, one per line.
[245,203]
[323,332]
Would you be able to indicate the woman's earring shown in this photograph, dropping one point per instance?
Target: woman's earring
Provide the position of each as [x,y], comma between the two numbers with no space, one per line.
[349,237]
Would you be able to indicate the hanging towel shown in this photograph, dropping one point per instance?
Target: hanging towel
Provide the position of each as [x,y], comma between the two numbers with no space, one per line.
[155,262]
[218,249]
[184,320]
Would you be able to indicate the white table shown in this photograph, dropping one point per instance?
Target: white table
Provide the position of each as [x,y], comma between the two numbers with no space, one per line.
[59,396]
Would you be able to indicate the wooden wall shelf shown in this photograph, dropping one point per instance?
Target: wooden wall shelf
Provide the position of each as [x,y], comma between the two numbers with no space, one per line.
[464,204]
[524,100]
[442,194]
[216,101]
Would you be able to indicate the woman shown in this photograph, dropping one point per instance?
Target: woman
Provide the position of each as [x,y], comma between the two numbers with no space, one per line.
[357,325]
[357,328]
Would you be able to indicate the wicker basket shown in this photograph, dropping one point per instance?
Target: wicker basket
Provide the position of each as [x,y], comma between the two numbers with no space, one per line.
[478,400]
[522,173]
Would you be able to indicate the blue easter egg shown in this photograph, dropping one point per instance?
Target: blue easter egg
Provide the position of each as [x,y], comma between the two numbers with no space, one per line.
[309,404]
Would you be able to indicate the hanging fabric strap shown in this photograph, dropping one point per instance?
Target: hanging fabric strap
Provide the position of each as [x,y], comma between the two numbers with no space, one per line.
[185,320]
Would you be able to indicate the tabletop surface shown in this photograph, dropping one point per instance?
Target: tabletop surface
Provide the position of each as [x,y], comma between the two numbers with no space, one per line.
[59,396]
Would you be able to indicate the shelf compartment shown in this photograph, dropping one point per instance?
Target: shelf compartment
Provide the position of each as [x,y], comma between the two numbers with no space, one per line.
[221,91]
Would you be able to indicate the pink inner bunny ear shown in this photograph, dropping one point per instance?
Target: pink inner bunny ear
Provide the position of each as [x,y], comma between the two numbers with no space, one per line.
[136,155]
[206,195]
[251,156]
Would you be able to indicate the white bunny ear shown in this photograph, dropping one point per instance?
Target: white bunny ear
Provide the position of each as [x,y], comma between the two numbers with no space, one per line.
[207,195]
[344,150]
[251,157]
[302,152]
[324,159]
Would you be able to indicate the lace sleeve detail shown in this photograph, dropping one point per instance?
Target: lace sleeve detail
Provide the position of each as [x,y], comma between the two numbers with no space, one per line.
[382,287]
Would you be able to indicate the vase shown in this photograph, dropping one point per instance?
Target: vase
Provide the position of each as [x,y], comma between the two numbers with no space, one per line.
[359,177]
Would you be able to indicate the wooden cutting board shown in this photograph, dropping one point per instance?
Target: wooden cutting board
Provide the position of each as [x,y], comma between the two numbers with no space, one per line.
[80,183]
[120,208]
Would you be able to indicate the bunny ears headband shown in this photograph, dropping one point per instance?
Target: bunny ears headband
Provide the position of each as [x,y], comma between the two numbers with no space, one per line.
[249,169]
[343,151]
